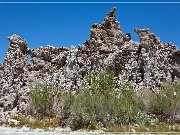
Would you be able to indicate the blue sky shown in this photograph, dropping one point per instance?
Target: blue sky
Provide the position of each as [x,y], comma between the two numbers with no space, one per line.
[67,24]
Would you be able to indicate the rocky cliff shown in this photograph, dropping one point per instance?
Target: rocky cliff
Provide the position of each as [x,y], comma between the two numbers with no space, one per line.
[146,65]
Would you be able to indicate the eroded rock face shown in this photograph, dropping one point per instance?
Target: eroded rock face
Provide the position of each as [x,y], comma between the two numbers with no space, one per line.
[145,65]
[176,66]
[155,59]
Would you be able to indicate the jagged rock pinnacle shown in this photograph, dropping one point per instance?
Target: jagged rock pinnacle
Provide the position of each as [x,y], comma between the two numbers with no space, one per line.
[112,12]
[145,34]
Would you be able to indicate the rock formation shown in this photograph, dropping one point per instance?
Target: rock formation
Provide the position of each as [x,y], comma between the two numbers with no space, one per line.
[145,65]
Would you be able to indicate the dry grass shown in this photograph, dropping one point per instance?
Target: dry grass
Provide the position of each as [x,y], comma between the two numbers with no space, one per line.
[158,127]
[44,123]
[47,123]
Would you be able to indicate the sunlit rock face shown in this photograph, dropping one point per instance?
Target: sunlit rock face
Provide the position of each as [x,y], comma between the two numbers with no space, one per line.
[145,65]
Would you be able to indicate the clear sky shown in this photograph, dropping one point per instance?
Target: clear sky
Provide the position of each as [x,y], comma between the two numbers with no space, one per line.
[67,24]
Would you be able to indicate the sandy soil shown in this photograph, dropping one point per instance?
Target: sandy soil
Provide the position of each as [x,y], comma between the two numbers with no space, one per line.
[56,131]
[59,131]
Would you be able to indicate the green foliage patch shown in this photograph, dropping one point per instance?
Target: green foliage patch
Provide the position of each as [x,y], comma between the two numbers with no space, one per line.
[166,102]
[43,98]
[100,103]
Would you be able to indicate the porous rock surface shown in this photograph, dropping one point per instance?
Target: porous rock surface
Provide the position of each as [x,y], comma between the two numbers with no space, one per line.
[145,65]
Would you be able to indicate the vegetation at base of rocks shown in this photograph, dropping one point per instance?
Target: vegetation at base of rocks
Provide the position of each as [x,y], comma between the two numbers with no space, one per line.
[2,123]
[156,127]
[43,99]
[166,102]
[100,104]
[45,123]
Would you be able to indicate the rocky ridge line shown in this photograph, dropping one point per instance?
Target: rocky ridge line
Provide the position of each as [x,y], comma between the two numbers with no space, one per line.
[144,65]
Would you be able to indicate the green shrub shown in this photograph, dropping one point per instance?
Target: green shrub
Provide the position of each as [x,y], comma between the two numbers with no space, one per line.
[160,104]
[100,100]
[95,102]
[65,100]
[128,105]
[172,91]
[166,102]
[43,98]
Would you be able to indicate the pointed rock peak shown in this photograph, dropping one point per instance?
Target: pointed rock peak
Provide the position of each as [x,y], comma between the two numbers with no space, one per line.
[110,21]
[146,34]
[112,12]
[109,28]
[16,43]
[15,39]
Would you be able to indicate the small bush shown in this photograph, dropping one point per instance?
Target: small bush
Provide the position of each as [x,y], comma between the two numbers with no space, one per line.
[95,101]
[160,104]
[102,103]
[65,100]
[166,102]
[43,99]
[127,105]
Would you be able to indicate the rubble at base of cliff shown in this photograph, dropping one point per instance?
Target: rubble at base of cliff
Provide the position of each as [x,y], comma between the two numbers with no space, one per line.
[145,65]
